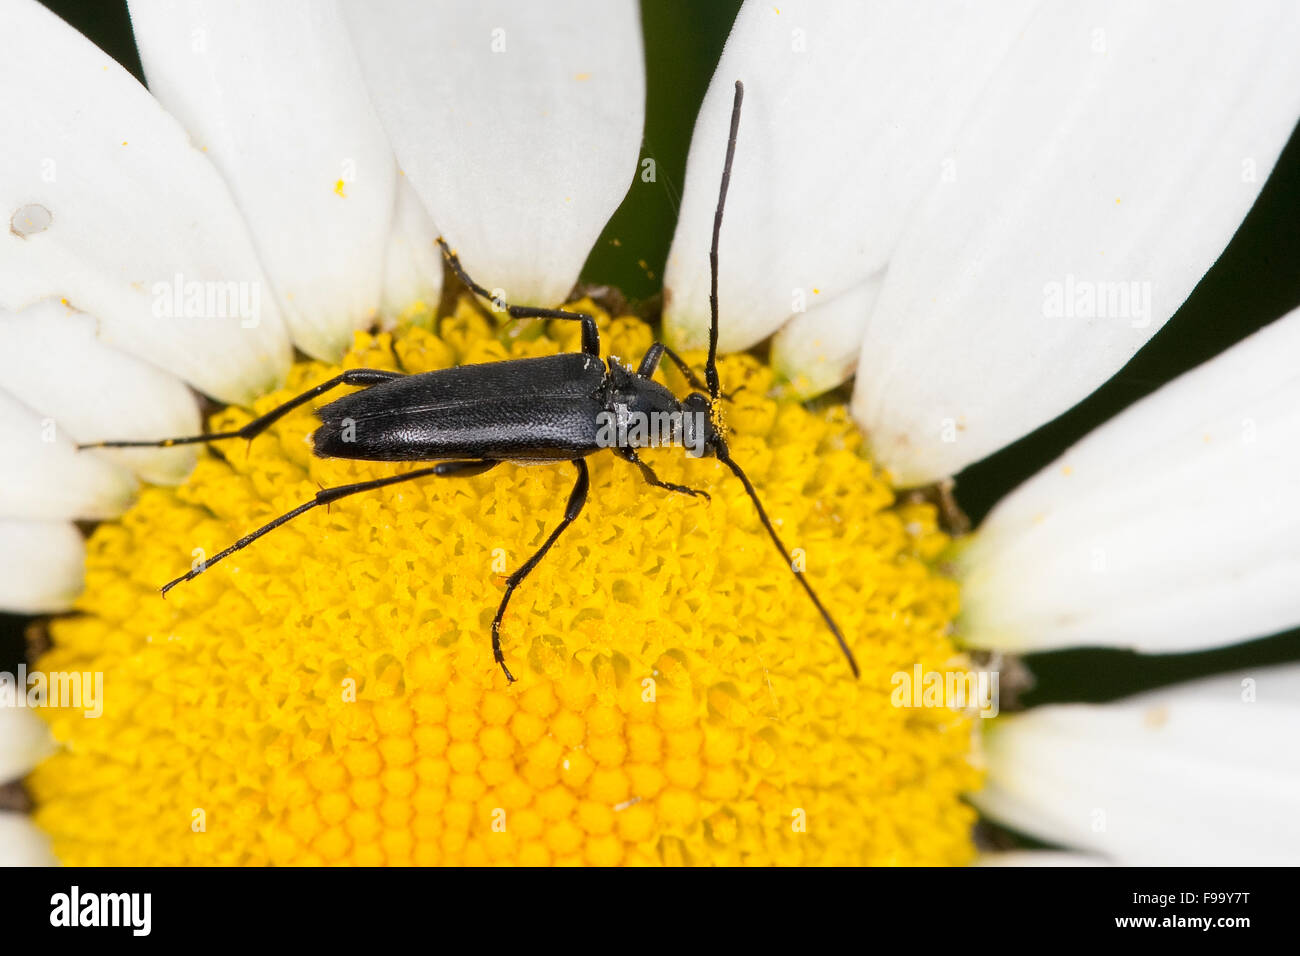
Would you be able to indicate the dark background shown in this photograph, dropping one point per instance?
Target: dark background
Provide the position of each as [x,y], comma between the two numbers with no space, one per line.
[1255,281]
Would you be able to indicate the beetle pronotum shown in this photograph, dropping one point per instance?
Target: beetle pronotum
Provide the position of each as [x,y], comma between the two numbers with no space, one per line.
[474,417]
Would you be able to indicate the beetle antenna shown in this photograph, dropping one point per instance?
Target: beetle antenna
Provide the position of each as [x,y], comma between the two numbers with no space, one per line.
[711,375]
[725,457]
[711,369]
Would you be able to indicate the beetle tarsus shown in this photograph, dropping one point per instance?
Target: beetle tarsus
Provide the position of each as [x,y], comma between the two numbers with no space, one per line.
[510,678]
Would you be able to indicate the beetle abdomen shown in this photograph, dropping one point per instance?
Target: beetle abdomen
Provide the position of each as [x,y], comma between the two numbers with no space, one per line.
[537,408]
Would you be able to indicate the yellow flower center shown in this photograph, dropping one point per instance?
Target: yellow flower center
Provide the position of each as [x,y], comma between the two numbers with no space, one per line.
[329,694]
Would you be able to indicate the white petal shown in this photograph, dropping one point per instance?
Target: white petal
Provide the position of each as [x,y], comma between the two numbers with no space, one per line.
[273,94]
[1038,858]
[1174,526]
[42,566]
[818,349]
[106,204]
[1202,774]
[413,265]
[518,124]
[25,739]
[22,843]
[51,361]
[850,108]
[1116,144]
[43,476]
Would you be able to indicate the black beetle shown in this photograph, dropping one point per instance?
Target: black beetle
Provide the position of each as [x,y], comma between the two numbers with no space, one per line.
[474,417]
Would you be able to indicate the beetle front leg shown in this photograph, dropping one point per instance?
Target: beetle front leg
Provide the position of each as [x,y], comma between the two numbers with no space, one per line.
[648,473]
[590,334]
[577,498]
[650,363]
[654,354]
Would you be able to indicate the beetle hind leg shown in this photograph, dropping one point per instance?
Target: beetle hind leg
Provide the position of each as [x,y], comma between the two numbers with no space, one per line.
[325,496]
[577,498]
[353,376]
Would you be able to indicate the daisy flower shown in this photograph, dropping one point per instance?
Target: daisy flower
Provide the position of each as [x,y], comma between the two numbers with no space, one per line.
[978,214]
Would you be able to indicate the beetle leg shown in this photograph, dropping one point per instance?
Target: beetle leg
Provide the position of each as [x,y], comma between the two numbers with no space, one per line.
[651,478]
[353,376]
[463,469]
[577,498]
[590,334]
[650,362]
[326,495]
